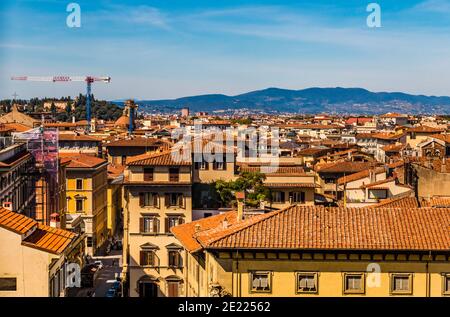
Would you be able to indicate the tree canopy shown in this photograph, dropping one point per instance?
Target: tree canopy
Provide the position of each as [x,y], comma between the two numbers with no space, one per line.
[249,182]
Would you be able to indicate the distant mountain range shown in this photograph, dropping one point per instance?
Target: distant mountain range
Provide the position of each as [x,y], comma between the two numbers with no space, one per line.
[311,100]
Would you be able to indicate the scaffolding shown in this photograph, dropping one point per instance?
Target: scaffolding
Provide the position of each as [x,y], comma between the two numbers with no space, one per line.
[43,146]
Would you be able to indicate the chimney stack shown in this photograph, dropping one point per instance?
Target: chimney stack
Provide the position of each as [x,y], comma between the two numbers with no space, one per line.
[240,197]
[55,221]
[7,205]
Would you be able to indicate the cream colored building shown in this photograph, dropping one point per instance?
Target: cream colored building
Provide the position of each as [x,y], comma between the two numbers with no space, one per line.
[34,256]
[157,196]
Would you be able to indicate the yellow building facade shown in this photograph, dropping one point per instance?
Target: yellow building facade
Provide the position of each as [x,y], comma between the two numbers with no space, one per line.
[317,251]
[86,194]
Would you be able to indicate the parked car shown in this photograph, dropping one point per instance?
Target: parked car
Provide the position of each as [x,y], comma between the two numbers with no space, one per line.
[99,264]
[111,292]
[116,286]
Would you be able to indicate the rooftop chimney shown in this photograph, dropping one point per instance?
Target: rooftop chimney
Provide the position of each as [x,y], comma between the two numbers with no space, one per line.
[7,205]
[55,220]
[240,197]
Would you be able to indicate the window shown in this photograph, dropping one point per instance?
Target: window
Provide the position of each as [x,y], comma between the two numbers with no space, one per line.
[89,242]
[147,258]
[204,165]
[174,174]
[174,199]
[148,174]
[307,282]
[149,225]
[79,184]
[446,286]
[354,283]
[297,197]
[79,204]
[174,259]
[278,197]
[8,284]
[173,221]
[218,165]
[401,283]
[260,282]
[148,199]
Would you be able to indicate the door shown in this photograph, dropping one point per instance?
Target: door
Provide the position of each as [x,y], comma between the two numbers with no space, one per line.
[148,289]
[173,289]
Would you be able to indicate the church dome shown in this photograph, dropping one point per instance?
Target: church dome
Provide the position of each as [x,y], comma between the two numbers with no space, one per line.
[122,122]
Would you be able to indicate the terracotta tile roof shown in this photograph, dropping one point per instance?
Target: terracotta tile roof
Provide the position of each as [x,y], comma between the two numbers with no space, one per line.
[359,175]
[343,167]
[311,126]
[75,137]
[291,185]
[115,170]
[397,202]
[443,137]
[186,233]
[15,222]
[313,151]
[396,164]
[49,239]
[16,127]
[380,135]
[320,228]
[393,147]
[137,142]
[437,202]
[165,158]
[79,160]
[377,183]
[424,129]
[280,171]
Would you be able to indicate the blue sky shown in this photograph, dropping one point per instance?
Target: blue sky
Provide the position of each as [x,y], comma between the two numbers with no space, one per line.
[173,48]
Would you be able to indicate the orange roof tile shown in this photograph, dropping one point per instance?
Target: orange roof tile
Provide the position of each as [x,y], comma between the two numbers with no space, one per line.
[79,160]
[320,228]
[15,222]
[359,175]
[49,239]
[165,158]
[397,202]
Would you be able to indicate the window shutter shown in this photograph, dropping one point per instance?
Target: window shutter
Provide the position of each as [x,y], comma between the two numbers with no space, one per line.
[141,199]
[155,225]
[142,258]
[167,200]
[155,199]
[180,200]
[167,224]
[141,224]
[302,197]
[282,197]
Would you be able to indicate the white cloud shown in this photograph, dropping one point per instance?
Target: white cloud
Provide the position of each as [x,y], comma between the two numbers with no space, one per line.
[435,6]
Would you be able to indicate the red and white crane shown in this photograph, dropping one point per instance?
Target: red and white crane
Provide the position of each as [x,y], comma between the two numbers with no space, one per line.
[88,79]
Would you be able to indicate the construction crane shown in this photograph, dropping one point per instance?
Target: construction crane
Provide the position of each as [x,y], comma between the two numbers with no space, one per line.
[88,79]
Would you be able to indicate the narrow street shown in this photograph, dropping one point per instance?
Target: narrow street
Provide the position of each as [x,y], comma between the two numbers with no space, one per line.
[112,266]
